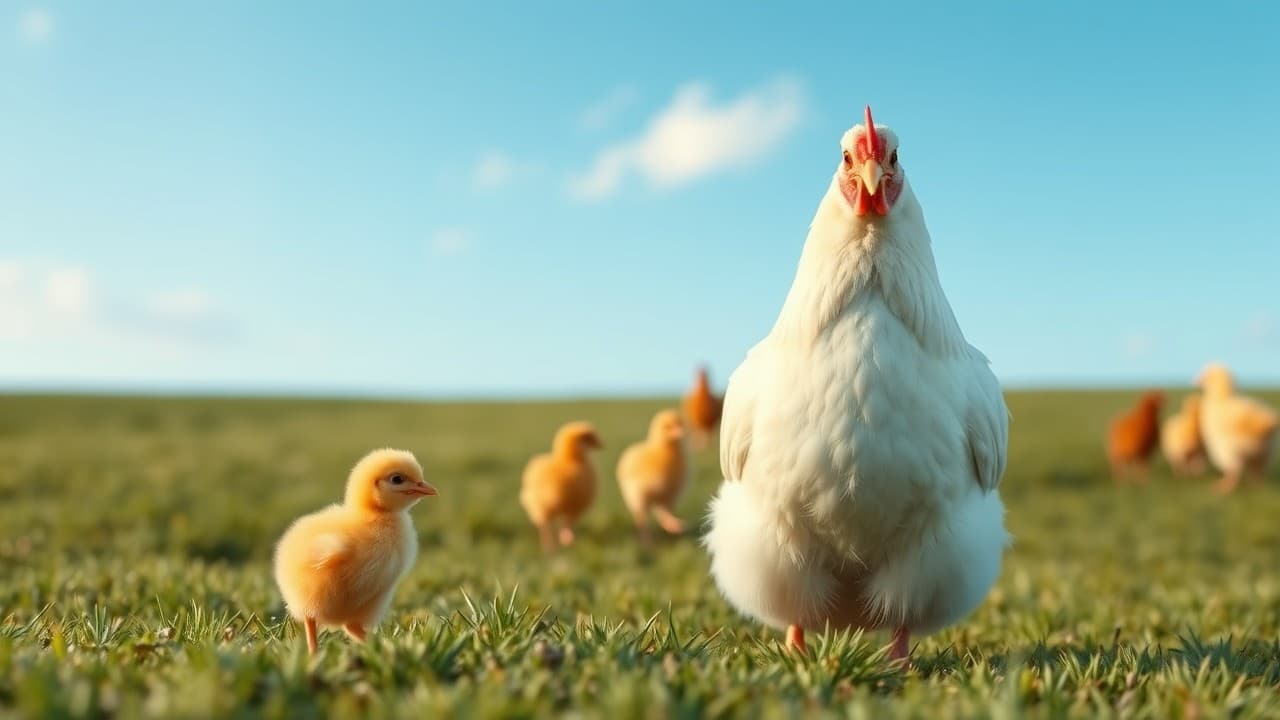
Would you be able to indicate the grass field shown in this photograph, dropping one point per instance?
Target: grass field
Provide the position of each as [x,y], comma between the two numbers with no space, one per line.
[136,534]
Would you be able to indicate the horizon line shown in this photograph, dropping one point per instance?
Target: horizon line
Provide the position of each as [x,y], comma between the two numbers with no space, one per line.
[9,388]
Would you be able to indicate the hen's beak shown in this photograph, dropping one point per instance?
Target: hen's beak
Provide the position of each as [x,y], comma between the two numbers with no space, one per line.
[871,174]
[423,488]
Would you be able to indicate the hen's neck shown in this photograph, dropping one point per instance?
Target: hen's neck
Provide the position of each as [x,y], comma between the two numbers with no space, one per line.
[847,260]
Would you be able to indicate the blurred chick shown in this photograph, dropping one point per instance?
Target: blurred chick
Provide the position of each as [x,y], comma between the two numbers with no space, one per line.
[339,566]
[702,409]
[652,473]
[1238,431]
[1180,438]
[1133,436]
[558,487]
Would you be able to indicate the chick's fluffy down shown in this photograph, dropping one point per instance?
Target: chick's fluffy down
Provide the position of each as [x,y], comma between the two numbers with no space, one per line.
[338,570]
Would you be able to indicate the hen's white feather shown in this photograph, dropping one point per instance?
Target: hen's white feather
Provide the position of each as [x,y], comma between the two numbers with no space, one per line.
[862,442]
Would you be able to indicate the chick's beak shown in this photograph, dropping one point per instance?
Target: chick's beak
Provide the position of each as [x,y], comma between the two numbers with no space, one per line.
[871,174]
[423,488]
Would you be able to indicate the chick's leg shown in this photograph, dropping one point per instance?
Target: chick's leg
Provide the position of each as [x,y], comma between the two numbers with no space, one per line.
[640,515]
[1143,471]
[701,439]
[309,624]
[795,640]
[566,534]
[668,520]
[356,631]
[1227,484]
[547,537]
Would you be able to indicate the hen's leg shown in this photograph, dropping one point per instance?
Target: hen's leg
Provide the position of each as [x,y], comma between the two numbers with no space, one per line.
[901,648]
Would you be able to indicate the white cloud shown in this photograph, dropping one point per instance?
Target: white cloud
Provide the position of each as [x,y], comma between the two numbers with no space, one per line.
[36,25]
[607,109]
[450,241]
[15,307]
[178,316]
[692,138]
[40,302]
[186,302]
[495,169]
[68,291]
[10,275]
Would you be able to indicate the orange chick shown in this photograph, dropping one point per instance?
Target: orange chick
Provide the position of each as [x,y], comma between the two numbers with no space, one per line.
[1180,438]
[702,409]
[338,567]
[558,487]
[1238,431]
[652,473]
[1133,436]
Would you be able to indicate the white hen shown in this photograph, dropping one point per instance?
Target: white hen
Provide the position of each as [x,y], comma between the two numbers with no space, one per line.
[863,439]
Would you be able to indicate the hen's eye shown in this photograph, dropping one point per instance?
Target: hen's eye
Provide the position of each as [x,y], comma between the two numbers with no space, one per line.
[893,159]
[848,159]
[396,479]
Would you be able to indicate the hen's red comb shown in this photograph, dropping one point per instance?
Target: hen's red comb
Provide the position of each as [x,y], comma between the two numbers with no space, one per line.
[873,140]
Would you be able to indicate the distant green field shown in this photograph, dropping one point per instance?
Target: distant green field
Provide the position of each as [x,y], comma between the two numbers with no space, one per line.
[136,534]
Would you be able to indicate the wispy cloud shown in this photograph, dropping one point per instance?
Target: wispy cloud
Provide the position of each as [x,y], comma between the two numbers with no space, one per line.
[693,137]
[181,314]
[450,241]
[495,169]
[36,25]
[69,291]
[42,302]
[607,109]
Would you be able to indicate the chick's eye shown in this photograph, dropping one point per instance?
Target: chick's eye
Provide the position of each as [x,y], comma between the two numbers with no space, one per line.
[893,159]
[396,479]
[848,159]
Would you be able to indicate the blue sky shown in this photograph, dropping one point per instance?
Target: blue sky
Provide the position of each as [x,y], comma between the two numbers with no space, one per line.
[511,199]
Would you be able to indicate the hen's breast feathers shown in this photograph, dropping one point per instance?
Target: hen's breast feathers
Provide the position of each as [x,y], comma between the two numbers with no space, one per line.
[983,413]
[737,418]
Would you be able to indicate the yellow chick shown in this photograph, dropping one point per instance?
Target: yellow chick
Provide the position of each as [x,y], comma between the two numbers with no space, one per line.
[558,487]
[1238,431]
[1180,438]
[338,567]
[652,473]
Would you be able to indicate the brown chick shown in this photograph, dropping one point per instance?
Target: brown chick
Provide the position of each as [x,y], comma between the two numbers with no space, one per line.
[1180,438]
[702,409]
[339,566]
[1238,431]
[558,487]
[1133,436]
[652,473]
